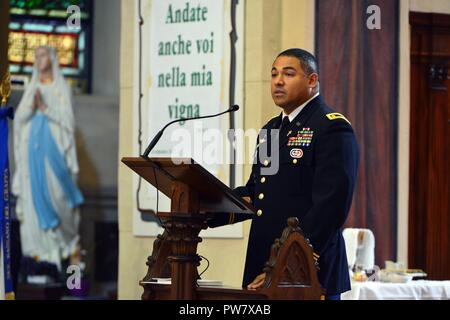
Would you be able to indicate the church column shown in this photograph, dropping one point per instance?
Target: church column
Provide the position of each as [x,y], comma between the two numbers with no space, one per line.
[270,27]
[4,27]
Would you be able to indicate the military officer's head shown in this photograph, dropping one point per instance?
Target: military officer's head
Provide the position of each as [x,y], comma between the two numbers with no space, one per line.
[295,78]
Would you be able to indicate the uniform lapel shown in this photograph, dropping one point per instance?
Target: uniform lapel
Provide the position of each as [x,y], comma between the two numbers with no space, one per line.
[267,137]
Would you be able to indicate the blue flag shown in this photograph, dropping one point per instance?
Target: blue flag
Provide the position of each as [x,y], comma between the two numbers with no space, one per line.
[5,208]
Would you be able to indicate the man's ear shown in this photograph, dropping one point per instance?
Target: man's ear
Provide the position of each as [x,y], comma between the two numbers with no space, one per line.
[313,80]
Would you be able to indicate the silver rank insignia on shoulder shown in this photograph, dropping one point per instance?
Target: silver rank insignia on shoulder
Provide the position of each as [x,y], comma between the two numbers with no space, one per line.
[303,138]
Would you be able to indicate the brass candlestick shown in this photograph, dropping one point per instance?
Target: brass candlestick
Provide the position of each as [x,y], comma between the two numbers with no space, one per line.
[5,88]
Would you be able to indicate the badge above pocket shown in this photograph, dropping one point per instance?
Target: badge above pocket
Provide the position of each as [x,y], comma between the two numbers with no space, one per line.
[296,153]
[302,139]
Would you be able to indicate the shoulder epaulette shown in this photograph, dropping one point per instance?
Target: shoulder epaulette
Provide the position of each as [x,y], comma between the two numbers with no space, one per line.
[335,116]
[271,120]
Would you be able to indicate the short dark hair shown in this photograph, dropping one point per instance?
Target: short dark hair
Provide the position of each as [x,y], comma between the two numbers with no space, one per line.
[307,60]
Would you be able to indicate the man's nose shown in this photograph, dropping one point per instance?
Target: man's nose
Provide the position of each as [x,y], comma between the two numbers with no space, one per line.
[279,81]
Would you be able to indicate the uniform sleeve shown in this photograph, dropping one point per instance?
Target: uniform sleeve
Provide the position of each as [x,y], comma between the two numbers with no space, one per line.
[336,164]
[249,189]
[231,218]
[244,191]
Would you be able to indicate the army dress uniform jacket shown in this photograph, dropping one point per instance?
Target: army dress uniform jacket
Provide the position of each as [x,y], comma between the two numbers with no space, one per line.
[318,160]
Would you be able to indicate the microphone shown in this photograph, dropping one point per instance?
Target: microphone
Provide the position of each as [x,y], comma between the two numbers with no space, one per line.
[160,133]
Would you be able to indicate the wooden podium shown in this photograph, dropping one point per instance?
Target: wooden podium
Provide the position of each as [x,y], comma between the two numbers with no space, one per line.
[198,197]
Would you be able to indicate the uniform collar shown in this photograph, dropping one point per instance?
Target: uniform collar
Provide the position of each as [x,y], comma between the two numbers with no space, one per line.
[295,113]
[301,119]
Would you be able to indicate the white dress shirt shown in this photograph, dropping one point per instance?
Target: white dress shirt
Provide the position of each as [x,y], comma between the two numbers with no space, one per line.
[297,110]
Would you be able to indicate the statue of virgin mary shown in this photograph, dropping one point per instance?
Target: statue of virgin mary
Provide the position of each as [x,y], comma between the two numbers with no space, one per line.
[46,165]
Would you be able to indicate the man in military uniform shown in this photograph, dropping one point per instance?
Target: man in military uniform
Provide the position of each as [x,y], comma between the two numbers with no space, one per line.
[318,160]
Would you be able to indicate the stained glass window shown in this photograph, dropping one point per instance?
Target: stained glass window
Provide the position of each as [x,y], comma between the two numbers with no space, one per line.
[40,22]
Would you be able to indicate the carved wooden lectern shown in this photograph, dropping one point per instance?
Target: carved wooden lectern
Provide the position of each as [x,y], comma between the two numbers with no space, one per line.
[196,198]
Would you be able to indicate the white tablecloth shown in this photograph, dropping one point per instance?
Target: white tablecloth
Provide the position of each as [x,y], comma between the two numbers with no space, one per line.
[413,290]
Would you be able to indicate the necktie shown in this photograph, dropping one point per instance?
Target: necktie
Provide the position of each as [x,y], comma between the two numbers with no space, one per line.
[284,123]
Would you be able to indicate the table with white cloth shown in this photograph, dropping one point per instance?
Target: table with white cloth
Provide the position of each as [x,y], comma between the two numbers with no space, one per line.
[412,290]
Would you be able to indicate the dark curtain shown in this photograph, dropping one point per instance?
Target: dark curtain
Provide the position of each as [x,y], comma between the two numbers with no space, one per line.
[359,77]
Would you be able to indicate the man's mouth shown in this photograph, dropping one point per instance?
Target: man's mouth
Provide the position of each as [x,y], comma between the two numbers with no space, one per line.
[279,93]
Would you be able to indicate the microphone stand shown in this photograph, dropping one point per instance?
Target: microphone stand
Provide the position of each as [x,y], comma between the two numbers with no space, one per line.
[160,133]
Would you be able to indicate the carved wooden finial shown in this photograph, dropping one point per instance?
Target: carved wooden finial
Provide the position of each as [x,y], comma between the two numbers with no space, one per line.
[291,265]
[292,226]
[293,222]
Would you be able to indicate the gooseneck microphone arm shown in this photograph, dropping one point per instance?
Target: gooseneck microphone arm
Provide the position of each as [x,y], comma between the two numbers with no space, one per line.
[160,133]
